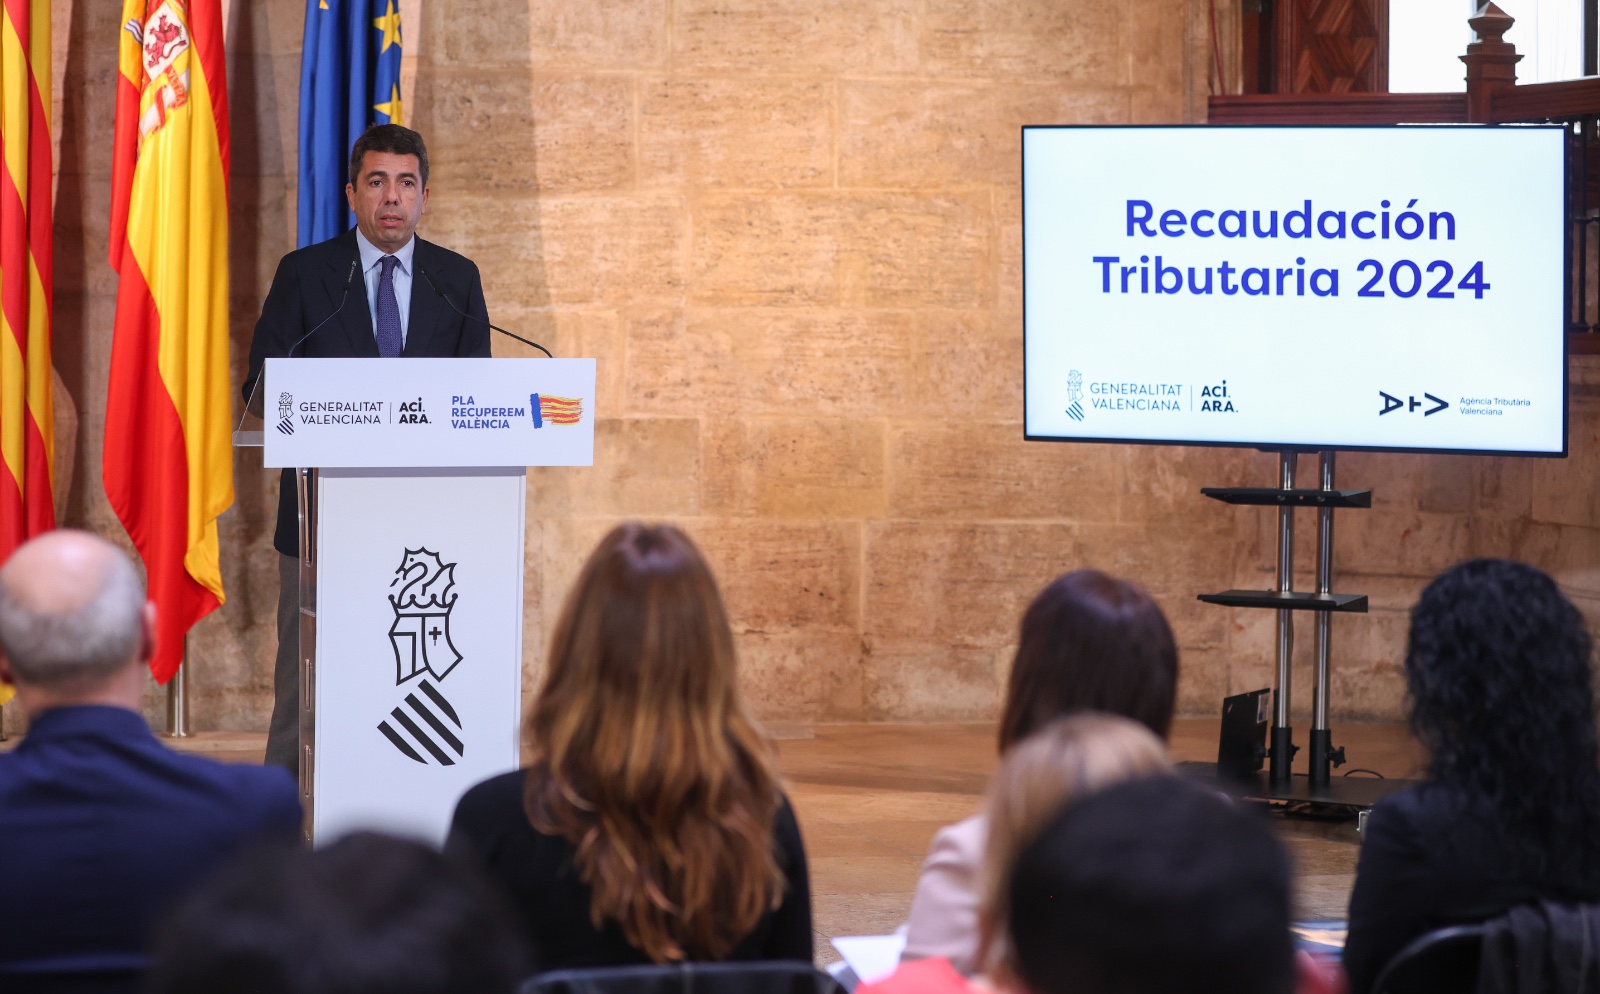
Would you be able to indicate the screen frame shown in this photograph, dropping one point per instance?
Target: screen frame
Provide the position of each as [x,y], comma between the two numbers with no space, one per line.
[1267,446]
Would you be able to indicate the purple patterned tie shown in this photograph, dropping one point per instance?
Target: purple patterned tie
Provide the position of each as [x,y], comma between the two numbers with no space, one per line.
[388,329]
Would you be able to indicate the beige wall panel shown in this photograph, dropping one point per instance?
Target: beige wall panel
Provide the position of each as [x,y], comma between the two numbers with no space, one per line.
[789,576]
[987,471]
[826,362]
[795,468]
[1081,43]
[802,676]
[519,134]
[913,133]
[811,37]
[929,681]
[564,34]
[959,583]
[586,251]
[736,132]
[641,468]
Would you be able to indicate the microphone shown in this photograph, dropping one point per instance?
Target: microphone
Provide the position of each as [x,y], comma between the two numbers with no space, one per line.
[429,277]
[348,277]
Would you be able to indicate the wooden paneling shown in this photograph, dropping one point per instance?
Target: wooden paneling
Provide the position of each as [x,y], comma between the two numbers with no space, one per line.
[1331,46]
[1327,108]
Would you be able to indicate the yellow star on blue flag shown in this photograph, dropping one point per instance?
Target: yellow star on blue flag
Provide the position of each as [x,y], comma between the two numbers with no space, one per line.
[389,23]
[391,108]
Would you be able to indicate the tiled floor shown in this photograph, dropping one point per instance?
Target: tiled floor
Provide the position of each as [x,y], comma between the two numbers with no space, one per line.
[870,797]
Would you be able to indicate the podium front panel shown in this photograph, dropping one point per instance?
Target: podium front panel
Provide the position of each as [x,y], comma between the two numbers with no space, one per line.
[418,675]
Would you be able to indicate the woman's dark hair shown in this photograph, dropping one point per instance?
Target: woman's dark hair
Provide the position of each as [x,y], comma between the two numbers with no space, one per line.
[369,914]
[394,139]
[1091,642]
[1498,668]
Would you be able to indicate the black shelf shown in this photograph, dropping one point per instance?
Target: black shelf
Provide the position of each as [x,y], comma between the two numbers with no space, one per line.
[1293,600]
[1274,497]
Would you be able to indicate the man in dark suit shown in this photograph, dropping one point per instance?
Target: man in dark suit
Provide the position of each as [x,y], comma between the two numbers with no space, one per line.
[415,296]
[102,829]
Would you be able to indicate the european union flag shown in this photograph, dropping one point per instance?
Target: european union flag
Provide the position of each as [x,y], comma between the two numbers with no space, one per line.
[349,80]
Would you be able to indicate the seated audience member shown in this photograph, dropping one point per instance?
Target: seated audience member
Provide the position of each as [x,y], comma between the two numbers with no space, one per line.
[650,825]
[369,914]
[102,828]
[1498,669]
[1066,761]
[1089,642]
[1156,886]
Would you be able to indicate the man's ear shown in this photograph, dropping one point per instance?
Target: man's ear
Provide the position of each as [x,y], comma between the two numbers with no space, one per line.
[350,195]
[1314,975]
[147,632]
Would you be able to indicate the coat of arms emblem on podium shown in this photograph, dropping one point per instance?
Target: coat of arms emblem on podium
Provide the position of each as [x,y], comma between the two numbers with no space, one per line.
[421,726]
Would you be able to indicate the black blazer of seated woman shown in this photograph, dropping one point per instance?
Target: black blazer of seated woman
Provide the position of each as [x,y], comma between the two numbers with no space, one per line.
[1498,669]
[650,825]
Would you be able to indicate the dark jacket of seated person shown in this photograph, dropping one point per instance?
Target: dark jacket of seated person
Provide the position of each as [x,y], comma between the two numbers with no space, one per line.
[1431,857]
[537,872]
[650,825]
[1498,673]
[102,829]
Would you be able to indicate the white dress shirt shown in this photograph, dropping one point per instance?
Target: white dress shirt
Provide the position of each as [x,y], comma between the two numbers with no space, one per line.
[371,272]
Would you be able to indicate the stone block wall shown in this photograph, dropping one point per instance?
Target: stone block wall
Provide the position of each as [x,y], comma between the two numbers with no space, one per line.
[790,233]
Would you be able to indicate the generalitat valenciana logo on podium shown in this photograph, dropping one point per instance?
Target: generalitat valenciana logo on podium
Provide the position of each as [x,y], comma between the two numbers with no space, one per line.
[427,725]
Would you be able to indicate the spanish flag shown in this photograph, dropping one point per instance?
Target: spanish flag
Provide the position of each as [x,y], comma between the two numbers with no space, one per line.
[27,439]
[167,464]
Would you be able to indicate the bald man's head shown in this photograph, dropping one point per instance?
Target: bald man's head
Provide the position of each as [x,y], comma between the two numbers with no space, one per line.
[71,606]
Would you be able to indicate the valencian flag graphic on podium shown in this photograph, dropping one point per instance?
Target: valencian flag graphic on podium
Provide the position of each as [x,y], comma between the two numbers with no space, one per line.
[168,466]
[26,407]
[349,81]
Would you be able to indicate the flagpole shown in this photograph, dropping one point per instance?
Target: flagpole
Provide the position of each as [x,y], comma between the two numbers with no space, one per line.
[178,699]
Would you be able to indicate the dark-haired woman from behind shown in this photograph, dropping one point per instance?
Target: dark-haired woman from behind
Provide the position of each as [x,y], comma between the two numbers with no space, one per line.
[1088,642]
[649,825]
[1498,669]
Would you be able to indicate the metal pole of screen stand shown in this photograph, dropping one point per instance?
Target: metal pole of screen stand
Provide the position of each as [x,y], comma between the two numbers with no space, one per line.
[1283,747]
[1322,751]
[306,489]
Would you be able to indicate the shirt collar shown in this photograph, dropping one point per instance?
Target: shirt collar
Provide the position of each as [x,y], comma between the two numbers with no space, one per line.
[86,719]
[370,253]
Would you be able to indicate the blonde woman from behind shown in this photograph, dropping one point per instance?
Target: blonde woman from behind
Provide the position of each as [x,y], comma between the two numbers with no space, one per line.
[1068,760]
[1063,762]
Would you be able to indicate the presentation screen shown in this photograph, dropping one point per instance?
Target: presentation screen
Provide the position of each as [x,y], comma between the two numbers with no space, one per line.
[1395,288]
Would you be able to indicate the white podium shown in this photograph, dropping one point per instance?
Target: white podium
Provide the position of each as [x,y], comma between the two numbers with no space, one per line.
[411,481]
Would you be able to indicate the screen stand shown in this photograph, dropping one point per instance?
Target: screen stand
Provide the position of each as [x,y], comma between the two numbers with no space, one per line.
[1285,600]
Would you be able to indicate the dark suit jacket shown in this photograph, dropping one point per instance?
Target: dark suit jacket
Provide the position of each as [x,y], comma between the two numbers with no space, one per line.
[536,872]
[307,288]
[102,829]
[1432,858]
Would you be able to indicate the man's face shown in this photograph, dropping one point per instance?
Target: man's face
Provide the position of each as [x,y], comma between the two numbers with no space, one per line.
[387,198]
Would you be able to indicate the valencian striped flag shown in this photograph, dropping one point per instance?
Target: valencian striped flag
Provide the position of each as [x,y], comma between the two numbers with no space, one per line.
[349,81]
[26,437]
[167,465]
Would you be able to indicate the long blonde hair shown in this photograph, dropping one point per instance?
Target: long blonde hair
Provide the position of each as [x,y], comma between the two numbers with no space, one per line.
[643,755]
[1062,762]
